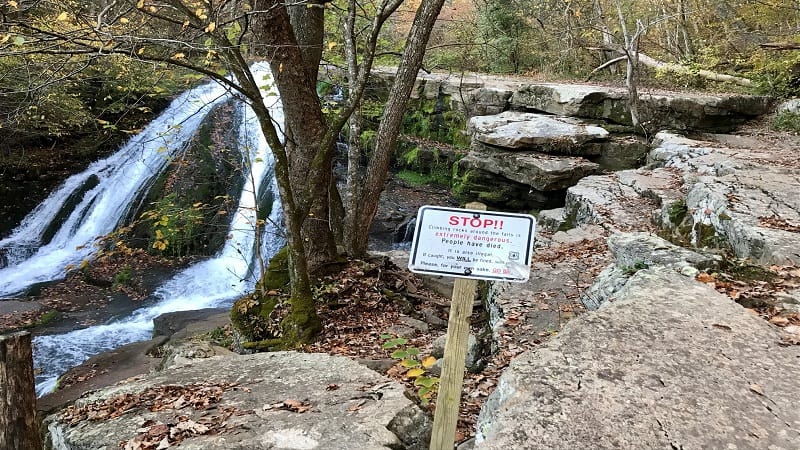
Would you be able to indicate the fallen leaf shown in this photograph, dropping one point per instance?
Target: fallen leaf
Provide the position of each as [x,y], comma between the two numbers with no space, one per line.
[704,278]
[779,321]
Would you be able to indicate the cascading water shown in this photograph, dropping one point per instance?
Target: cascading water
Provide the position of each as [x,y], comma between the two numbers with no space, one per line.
[213,282]
[31,258]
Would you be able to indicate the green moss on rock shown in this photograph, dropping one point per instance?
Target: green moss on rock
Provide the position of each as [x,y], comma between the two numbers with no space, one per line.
[251,316]
[277,275]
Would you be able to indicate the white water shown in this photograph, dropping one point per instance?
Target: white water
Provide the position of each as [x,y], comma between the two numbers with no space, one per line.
[122,176]
[210,283]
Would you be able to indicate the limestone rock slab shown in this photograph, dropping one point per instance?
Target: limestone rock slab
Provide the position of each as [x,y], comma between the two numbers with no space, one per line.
[636,251]
[537,170]
[547,134]
[350,405]
[670,364]
[658,111]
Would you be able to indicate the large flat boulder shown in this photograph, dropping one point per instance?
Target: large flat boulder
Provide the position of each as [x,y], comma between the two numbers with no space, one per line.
[547,134]
[629,200]
[636,251]
[669,364]
[282,400]
[680,111]
[540,171]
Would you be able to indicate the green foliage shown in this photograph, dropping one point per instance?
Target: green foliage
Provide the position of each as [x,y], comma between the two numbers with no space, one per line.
[637,266]
[438,176]
[677,212]
[416,364]
[255,318]
[105,97]
[173,225]
[276,277]
[123,277]
[776,76]
[507,35]
[221,336]
[46,318]
[433,119]
[787,121]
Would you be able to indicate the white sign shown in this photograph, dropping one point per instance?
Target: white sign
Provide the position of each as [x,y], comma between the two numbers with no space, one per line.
[465,243]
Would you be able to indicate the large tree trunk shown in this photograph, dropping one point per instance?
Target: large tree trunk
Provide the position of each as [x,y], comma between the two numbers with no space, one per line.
[308,22]
[359,219]
[302,165]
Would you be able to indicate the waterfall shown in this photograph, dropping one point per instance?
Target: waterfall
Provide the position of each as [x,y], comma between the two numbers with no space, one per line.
[32,258]
[209,283]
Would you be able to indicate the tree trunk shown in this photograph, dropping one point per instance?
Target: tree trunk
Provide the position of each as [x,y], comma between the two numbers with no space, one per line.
[19,429]
[359,219]
[309,163]
[677,68]
[783,46]
[302,164]
[308,21]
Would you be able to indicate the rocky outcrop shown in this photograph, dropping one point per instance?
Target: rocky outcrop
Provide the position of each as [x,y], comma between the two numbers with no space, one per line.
[281,400]
[744,200]
[669,364]
[525,161]
[540,171]
[637,251]
[658,111]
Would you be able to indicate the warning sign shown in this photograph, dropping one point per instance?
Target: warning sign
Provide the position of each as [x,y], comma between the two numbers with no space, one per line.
[475,244]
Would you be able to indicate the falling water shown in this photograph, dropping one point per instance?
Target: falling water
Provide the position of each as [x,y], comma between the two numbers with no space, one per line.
[213,282]
[31,258]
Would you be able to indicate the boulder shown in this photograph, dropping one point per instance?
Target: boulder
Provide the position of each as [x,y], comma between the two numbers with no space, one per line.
[626,200]
[282,400]
[169,323]
[679,111]
[621,152]
[736,197]
[546,134]
[670,364]
[472,361]
[552,219]
[539,171]
[481,101]
[755,212]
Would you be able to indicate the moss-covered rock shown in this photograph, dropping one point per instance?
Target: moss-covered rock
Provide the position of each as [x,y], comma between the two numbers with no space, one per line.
[197,193]
[276,276]
[252,317]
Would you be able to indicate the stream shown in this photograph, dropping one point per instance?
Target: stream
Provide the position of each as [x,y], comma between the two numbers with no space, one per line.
[56,235]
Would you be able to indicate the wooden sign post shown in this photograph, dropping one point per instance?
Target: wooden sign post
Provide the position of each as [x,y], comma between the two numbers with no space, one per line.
[19,429]
[455,352]
[469,244]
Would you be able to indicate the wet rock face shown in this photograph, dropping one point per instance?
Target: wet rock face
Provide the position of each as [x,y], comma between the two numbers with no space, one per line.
[278,400]
[669,364]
